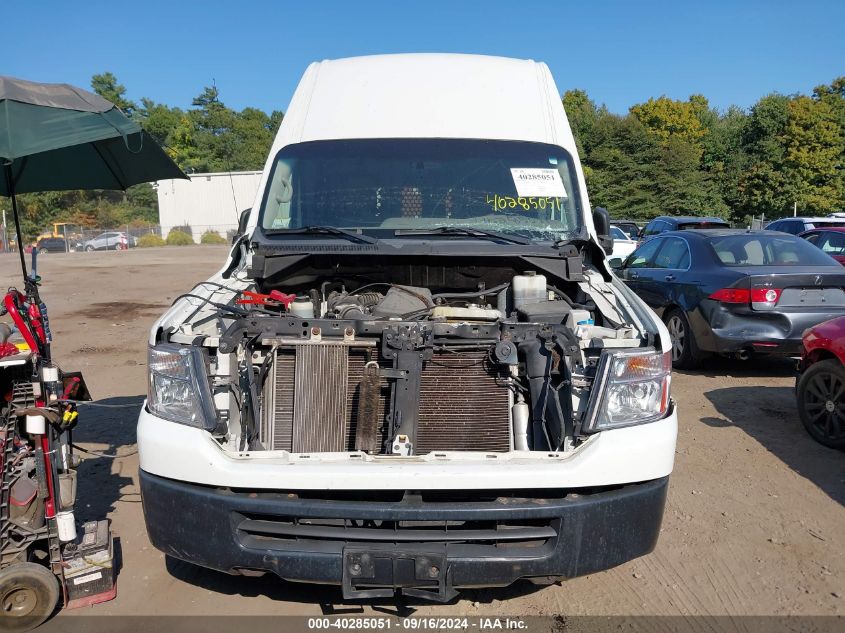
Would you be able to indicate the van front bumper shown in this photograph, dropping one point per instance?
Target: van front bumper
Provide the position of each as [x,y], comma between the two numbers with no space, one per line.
[426,544]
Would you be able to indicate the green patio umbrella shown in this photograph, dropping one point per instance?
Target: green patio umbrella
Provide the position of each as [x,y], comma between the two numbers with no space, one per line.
[56,137]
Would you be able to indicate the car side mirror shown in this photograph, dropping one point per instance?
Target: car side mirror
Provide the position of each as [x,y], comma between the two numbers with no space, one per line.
[242,222]
[615,263]
[601,220]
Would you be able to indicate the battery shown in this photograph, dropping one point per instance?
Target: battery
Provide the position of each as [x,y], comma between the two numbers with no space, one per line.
[89,565]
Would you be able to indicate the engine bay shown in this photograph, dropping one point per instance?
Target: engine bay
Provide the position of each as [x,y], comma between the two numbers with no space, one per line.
[406,360]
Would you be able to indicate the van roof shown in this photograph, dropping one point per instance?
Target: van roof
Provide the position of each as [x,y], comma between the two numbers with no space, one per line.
[430,95]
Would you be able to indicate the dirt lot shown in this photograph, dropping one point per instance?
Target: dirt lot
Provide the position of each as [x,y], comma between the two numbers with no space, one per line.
[755,523]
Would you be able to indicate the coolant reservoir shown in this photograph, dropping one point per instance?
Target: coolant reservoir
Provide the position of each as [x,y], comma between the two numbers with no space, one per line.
[302,307]
[529,288]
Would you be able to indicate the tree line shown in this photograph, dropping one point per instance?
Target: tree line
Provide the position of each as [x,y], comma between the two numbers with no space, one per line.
[664,156]
[672,157]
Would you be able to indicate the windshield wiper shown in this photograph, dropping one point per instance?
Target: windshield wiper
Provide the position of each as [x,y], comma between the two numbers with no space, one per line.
[324,230]
[464,230]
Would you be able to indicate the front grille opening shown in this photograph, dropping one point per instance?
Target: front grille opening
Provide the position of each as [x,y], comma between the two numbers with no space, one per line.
[380,496]
[261,530]
[311,401]
[540,496]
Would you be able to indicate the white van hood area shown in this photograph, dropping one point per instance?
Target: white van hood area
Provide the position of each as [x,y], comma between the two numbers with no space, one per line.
[416,348]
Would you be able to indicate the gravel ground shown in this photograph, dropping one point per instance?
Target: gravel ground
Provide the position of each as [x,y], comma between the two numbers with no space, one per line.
[754,523]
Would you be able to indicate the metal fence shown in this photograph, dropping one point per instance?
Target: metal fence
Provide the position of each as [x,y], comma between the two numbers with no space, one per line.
[74,239]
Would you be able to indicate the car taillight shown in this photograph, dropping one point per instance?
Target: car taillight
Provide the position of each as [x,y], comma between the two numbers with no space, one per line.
[765,295]
[732,295]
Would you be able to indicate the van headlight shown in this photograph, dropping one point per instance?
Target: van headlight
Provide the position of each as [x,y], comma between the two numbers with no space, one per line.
[631,387]
[178,386]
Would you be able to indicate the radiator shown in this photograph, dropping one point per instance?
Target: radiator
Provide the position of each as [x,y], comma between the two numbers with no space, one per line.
[310,401]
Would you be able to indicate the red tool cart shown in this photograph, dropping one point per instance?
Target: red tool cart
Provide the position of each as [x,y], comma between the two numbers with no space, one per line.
[53,137]
[44,559]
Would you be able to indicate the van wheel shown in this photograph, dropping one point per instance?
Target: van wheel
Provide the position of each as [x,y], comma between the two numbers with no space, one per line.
[685,352]
[821,402]
[28,595]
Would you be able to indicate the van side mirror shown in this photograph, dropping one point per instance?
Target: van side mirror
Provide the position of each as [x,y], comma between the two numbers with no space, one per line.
[242,222]
[615,263]
[601,220]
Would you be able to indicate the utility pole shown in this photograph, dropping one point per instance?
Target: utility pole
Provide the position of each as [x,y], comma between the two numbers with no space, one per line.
[795,209]
[5,241]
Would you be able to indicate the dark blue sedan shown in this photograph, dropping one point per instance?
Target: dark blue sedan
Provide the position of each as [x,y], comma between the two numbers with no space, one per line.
[735,292]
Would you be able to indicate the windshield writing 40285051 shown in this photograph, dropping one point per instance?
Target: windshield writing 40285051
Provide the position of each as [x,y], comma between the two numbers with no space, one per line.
[533,203]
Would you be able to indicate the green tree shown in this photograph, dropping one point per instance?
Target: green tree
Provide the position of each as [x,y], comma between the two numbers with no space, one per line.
[225,140]
[159,120]
[834,96]
[724,157]
[762,186]
[648,162]
[621,163]
[813,147]
[106,85]
[667,118]
[582,114]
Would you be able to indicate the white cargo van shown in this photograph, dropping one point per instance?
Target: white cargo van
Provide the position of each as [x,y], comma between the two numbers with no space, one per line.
[416,370]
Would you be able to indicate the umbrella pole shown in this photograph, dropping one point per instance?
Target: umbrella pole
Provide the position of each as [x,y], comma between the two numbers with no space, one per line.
[11,186]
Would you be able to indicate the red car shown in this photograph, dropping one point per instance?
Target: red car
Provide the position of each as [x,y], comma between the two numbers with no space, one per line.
[821,385]
[830,239]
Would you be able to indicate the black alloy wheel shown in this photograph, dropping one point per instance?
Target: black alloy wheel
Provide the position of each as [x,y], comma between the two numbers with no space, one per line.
[821,402]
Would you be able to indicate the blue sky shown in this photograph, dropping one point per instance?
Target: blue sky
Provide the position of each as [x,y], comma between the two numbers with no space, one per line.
[620,52]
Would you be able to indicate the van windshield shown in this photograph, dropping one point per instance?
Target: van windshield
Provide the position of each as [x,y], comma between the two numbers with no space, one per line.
[384,185]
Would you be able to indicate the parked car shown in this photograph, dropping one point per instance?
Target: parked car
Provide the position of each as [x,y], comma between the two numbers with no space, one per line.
[52,245]
[406,421]
[830,239]
[733,291]
[629,227]
[664,223]
[799,225]
[108,241]
[622,244]
[820,387]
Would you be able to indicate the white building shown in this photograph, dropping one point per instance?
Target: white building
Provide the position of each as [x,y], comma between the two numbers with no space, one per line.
[206,202]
